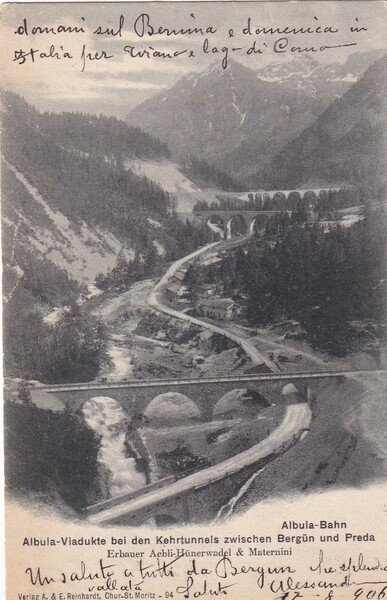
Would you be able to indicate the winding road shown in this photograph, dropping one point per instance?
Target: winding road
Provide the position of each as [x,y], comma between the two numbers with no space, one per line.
[296,420]
[156,300]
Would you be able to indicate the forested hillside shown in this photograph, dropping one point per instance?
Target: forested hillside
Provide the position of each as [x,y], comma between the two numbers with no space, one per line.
[50,457]
[83,178]
[206,174]
[89,135]
[71,211]
[331,281]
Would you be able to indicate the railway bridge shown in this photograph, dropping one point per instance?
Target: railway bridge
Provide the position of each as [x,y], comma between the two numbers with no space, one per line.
[135,395]
[308,194]
[272,202]
[196,496]
[251,219]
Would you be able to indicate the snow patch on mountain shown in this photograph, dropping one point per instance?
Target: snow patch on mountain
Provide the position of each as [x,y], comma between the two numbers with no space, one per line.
[237,109]
[154,223]
[160,249]
[348,78]
[165,173]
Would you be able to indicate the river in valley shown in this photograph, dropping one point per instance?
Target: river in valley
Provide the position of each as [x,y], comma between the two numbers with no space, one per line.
[108,419]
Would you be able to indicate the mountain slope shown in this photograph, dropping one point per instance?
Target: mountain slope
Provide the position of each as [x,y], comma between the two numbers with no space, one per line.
[38,229]
[189,115]
[69,206]
[346,144]
[72,210]
[237,118]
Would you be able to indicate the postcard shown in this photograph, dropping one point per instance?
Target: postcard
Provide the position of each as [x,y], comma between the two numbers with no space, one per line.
[194,284]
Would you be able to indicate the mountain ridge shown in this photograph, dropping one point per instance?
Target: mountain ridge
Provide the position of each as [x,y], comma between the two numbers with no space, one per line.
[239,117]
[346,143]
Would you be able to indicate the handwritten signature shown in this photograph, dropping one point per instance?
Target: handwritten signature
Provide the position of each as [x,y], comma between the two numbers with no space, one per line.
[366,577]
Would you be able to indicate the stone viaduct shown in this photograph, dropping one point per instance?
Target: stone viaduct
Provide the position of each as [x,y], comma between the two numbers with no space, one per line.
[197,504]
[279,201]
[198,496]
[135,395]
[310,194]
[226,218]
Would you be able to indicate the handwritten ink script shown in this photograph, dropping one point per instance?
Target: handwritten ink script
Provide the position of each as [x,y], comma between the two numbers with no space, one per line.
[86,43]
[362,577]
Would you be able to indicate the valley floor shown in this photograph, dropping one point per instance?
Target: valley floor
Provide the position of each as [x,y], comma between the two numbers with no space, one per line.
[345,445]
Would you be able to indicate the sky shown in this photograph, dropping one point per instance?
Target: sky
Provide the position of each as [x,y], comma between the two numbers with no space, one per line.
[115,85]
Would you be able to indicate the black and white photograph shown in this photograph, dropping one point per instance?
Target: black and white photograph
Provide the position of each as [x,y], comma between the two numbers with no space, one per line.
[194,268]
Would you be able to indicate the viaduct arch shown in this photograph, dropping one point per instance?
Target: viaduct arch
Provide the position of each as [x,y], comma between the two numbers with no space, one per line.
[272,202]
[195,497]
[198,496]
[135,397]
[251,219]
[298,194]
